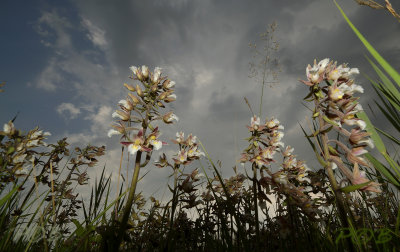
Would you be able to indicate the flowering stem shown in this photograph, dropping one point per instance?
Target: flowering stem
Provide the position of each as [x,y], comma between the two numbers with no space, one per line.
[255,205]
[131,197]
[174,196]
[331,176]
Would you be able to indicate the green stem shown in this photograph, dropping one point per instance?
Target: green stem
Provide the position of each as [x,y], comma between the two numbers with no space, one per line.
[131,197]
[331,176]
[173,208]
[174,196]
[256,206]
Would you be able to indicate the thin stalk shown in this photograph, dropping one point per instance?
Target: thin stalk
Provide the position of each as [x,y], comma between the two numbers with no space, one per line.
[262,91]
[33,186]
[52,192]
[256,206]
[174,197]
[173,207]
[119,175]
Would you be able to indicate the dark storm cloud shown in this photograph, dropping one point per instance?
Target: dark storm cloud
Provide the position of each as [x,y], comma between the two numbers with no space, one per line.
[203,46]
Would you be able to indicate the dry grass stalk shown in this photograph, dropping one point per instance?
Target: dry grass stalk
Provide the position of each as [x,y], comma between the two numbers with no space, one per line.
[388,6]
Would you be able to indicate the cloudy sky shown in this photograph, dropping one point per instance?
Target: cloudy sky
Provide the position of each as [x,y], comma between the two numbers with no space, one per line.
[65,63]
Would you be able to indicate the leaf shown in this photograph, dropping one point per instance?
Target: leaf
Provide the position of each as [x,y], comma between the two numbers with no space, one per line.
[320,159]
[352,188]
[308,96]
[8,196]
[392,120]
[371,129]
[326,119]
[395,140]
[385,80]
[79,228]
[385,65]
[382,169]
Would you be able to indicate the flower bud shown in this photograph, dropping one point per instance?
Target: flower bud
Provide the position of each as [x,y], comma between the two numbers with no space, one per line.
[167,84]
[312,73]
[129,87]
[169,117]
[322,65]
[139,91]
[9,128]
[112,132]
[162,161]
[145,72]
[357,136]
[139,75]
[170,98]
[124,116]
[134,70]
[154,88]
[163,95]
[126,104]
[135,100]
[156,74]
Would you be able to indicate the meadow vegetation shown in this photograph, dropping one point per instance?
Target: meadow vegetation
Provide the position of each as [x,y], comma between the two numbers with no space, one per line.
[349,203]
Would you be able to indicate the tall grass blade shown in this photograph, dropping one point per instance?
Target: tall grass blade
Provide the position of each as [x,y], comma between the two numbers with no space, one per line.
[385,65]
[394,140]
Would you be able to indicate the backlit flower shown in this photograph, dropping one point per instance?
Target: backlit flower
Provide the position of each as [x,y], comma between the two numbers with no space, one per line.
[347,72]
[124,116]
[117,129]
[182,156]
[359,177]
[288,151]
[358,151]
[322,65]
[145,71]
[180,137]
[8,128]
[170,84]
[260,161]
[355,88]
[169,117]
[268,153]
[134,70]
[255,123]
[193,152]
[272,123]
[357,135]
[312,73]
[335,93]
[156,74]
[280,178]
[170,98]
[191,140]
[157,144]
[136,145]
[126,104]
[112,132]
[368,142]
